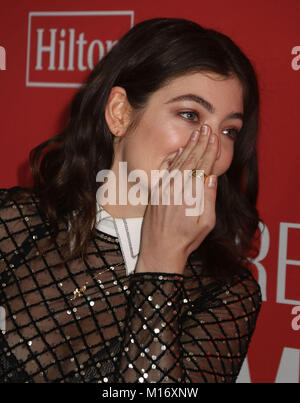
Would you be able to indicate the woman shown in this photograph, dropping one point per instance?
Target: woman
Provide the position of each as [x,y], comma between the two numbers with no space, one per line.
[112,292]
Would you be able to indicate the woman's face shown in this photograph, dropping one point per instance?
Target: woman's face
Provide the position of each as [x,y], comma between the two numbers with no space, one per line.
[174,111]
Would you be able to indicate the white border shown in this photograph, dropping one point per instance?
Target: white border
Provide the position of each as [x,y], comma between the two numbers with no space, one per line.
[63,13]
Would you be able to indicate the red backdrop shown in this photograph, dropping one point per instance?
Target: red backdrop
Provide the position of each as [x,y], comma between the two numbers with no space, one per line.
[37,85]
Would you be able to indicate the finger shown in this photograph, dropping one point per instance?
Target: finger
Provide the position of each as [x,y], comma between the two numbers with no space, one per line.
[167,162]
[197,151]
[208,217]
[208,159]
[193,140]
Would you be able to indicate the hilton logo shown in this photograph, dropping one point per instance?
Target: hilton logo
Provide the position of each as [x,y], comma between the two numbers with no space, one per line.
[63,47]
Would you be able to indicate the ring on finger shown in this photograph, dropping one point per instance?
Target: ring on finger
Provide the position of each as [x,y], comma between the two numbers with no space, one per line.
[199,173]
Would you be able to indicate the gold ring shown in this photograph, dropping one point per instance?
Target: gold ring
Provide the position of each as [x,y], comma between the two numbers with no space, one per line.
[199,174]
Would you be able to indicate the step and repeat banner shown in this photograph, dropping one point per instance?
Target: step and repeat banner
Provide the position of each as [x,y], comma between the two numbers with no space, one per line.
[48,48]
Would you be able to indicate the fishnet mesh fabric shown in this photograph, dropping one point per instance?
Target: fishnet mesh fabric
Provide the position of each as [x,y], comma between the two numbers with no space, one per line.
[145,327]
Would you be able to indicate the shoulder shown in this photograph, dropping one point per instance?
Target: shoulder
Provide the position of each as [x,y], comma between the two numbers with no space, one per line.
[246,287]
[243,288]
[236,292]
[19,216]
[16,203]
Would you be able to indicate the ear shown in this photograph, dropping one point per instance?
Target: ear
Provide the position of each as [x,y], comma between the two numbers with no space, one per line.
[118,111]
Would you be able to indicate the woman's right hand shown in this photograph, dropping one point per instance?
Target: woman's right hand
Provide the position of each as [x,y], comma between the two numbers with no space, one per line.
[168,235]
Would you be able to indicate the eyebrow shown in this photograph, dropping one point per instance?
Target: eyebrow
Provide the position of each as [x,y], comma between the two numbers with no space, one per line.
[205,104]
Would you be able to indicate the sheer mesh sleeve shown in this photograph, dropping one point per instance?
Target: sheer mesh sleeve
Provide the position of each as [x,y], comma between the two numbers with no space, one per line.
[151,349]
[216,332]
[170,339]
[146,327]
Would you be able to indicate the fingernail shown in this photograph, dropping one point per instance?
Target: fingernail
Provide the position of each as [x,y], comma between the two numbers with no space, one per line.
[212,138]
[179,151]
[195,135]
[212,181]
[204,130]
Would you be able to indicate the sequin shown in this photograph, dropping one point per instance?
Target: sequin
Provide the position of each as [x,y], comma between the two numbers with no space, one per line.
[135,330]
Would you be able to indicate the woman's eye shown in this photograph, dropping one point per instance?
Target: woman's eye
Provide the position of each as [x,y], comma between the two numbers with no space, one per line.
[189,115]
[232,133]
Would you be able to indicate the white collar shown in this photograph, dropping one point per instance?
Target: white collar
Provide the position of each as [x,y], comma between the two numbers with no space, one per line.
[128,230]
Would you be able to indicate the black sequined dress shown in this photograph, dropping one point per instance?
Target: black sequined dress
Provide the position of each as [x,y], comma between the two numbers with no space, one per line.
[142,327]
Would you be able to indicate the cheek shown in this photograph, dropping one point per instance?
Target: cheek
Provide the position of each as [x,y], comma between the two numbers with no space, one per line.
[168,138]
[164,132]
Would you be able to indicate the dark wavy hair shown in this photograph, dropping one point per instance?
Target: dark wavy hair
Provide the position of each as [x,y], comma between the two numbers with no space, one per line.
[146,58]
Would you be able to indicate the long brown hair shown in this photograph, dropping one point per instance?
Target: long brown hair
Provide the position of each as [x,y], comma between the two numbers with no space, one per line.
[153,52]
